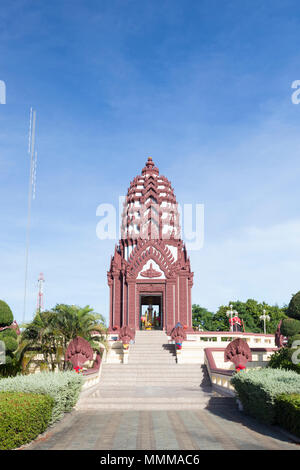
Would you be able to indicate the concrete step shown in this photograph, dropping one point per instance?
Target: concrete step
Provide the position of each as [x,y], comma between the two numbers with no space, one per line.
[141,406]
[153,352]
[148,383]
[150,378]
[174,366]
[151,356]
[150,372]
[198,399]
[151,347]
[134,404]
[164,362]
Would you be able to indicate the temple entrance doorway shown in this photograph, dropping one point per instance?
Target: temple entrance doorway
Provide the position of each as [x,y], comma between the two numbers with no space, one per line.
[151,314]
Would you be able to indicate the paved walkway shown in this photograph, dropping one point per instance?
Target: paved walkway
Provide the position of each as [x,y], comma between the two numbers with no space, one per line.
[152,403]
[203,429]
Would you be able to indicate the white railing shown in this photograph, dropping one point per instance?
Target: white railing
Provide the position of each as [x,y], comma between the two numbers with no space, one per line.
[93,378]
[192,351]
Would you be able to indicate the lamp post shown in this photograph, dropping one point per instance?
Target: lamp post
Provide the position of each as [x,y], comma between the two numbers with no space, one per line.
[265,318]
[230,314]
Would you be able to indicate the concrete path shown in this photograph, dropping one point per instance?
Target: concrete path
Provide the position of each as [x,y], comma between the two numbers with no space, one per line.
[203,429]
[152,403]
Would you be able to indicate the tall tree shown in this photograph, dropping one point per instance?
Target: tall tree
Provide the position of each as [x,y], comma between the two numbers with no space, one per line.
[202,318]
[51,331]
[249,312]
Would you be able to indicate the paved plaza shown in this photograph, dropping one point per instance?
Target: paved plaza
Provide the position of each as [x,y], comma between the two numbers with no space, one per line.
[221,428]
[159,405]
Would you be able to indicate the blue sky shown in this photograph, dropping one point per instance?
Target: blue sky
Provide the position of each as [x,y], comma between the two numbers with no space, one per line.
[204,87]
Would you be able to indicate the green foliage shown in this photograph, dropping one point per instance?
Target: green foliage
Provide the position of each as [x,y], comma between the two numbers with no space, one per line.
[290,327]
[293,309]
[288,412]
[50,333]
[258,390]
[203,318]
[282,359]
[292,339]
[249,312]
[6,315]
[23,417]
[63,387]
[9,332]
[11,344]
[8,336]
[11,368]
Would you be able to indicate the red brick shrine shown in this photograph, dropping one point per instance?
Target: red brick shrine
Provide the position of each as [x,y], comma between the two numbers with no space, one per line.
[150,278]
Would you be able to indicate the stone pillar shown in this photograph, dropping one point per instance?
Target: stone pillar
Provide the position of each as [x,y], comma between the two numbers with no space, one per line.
[190,310]
[170,312]
[131,303]
[117,304]
[111,317]
[183,298]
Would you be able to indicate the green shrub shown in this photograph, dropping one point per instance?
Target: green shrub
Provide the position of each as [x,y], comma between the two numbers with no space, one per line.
[8,336]
[293,310]
[63,387]
[11,368]
[23,417]
[258,389]
[290,327]
[6,315]
[292,339]
[11,344]
[288,412]
[282,359]
[9,333]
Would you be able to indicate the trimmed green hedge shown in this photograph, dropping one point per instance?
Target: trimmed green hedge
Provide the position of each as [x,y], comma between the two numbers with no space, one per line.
[6,315]
[290,327]
[258,390]
[282,359]
[23,416]
[288,412]
[63,387]
[293,310]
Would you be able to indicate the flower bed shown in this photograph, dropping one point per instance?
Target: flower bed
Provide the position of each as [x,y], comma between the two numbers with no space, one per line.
[288,412]
[23,416]
[259,389]
[63,387]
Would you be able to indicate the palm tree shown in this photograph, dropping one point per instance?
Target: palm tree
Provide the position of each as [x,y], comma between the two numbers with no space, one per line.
[38,338]
[50,333]
[71,321]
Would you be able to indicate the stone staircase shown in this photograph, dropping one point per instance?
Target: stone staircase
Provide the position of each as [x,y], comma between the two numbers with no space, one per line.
[151,347]
[152,380]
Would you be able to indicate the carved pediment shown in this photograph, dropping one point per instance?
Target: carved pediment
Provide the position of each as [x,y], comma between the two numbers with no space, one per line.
[151,272]
[150,269]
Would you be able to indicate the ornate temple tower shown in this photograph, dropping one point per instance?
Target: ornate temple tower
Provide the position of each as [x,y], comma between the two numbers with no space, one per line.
[150,278]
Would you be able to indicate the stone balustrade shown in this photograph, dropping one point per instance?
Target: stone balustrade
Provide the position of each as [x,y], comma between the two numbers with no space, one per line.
[220,372]
[91,376]
[192,351]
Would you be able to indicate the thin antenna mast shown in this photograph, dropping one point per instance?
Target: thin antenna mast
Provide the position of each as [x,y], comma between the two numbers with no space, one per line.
[31,146]
[40,301]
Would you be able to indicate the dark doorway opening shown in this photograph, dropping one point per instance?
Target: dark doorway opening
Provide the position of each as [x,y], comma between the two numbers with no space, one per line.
[151,315]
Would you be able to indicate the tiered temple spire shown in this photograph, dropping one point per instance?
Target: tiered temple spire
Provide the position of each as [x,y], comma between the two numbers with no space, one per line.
[150,259]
